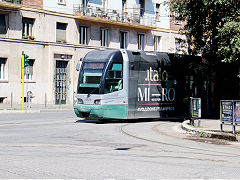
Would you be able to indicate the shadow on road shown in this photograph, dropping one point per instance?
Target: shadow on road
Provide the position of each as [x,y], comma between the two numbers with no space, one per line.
[115,121]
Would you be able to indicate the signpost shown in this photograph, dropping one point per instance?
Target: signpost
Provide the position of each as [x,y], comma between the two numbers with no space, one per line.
[25,61]
[229,113]
[23,80]
[195,109]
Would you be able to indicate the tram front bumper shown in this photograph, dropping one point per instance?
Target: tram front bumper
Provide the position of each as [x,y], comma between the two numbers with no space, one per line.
[88,111]
[101,111]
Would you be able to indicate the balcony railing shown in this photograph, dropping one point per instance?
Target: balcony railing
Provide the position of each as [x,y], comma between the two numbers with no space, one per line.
[114,15]
[12,1]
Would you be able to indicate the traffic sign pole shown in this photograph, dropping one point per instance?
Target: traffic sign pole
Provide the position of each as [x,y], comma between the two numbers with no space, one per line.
[23,80]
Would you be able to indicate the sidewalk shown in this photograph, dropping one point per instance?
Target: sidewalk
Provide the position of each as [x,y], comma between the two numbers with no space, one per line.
[36,108]
[210,128]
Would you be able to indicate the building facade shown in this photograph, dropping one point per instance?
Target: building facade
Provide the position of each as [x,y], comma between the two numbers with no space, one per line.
[56,34]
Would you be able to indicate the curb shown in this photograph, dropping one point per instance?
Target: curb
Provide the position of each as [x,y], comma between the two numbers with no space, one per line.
[30,111]
[208,133]
[19,111]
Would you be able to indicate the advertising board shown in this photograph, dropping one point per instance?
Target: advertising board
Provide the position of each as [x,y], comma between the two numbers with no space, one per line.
[237,111]
[195,105]
[227,111]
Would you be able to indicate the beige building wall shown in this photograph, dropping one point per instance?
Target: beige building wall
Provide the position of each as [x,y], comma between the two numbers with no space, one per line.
[44,48]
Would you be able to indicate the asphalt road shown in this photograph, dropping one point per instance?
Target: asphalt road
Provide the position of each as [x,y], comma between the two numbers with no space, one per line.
[56,144]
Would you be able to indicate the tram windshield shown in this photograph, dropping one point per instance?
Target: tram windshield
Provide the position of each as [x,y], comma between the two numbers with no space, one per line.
[90,76]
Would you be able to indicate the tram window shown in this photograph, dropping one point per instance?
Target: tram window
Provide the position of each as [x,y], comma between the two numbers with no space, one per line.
[91,74]
[114,81]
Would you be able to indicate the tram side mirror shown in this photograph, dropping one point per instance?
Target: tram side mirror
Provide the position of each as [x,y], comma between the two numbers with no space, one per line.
[78,67]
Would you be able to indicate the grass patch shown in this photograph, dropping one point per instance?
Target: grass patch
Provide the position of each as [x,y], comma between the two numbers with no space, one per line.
[202,134]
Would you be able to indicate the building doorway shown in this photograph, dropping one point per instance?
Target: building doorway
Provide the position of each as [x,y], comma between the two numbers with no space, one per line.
[61,82]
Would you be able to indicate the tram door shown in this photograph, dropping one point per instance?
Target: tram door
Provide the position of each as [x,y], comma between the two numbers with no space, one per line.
[61,82]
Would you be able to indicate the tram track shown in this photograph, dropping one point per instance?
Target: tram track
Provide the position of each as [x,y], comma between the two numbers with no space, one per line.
[194,149]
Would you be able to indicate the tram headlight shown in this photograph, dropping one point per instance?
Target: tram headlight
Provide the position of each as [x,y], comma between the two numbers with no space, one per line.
[79,101]
[97,101]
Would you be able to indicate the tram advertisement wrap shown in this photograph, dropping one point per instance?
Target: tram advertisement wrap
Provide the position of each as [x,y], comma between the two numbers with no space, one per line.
[156,92]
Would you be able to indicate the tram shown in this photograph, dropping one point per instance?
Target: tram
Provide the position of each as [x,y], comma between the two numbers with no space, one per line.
[125,84]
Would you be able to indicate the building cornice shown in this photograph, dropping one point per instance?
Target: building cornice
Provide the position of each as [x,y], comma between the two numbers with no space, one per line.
[167,30]
[86,18]
[10,6]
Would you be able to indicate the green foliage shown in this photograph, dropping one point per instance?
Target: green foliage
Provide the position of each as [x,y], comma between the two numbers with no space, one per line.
[213,27]
[202,134]
[229,41]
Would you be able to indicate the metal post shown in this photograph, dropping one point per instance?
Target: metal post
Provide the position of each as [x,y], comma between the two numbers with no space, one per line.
[11,99]
[221,123]
[60,99]
[22,80]
[29,100]
[234,130]
[208,105]
[45,100]
[199,122]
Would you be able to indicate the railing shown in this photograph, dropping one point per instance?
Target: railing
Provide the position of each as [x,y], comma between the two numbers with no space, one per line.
[12,1]
[114,15]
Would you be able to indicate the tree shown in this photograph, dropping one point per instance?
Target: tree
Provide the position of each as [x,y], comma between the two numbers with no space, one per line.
[212,28]
[229,41]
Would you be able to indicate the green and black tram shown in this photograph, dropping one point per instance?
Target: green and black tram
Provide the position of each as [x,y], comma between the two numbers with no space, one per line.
[125,84]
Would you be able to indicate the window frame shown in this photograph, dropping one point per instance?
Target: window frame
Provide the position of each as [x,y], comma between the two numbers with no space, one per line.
[180,45]
[5,27]
[141,41]
[84,4]
[158,11]
[83,39]
[123,45]
[142,4]
[27,28]
[157,43]
[124,4]
[59,32]
[104,37]
[176,20]
[27,77]
[3,69]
